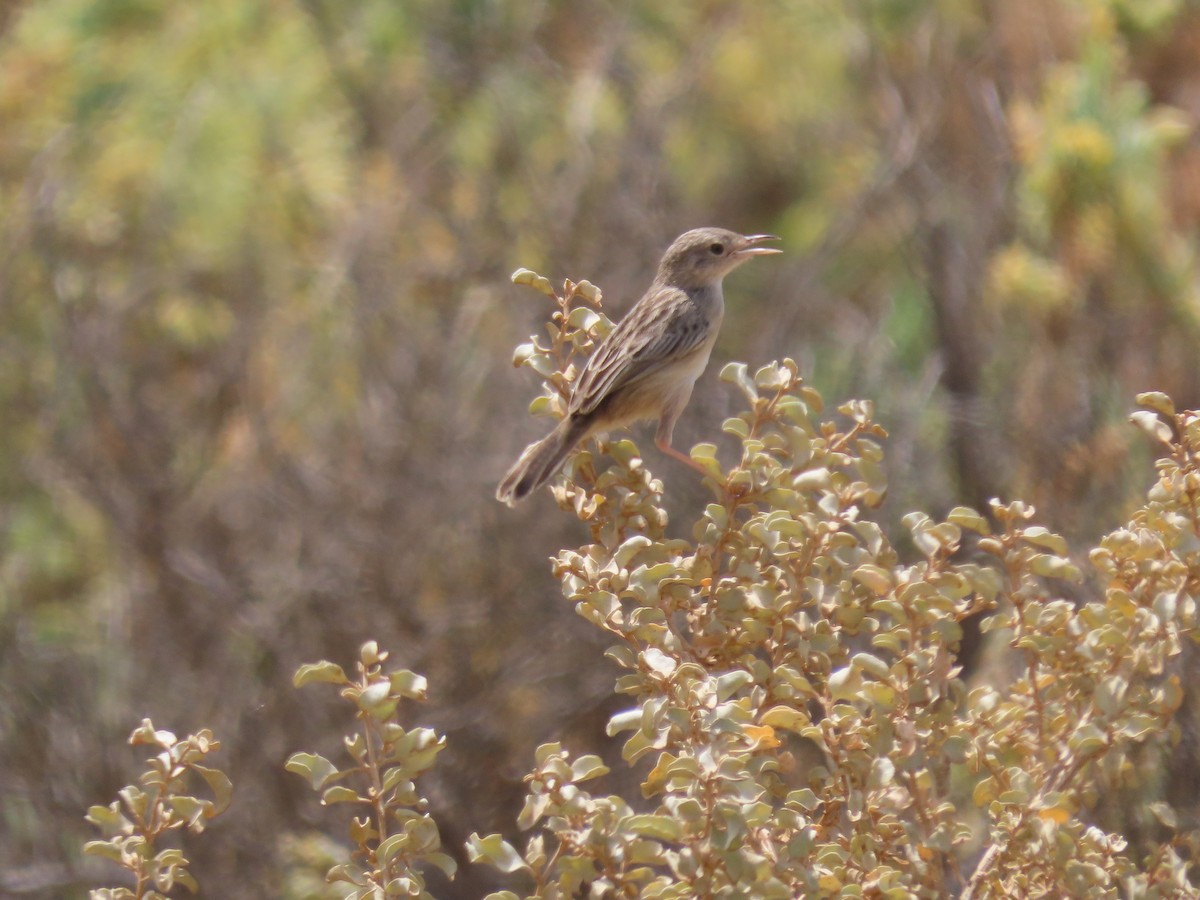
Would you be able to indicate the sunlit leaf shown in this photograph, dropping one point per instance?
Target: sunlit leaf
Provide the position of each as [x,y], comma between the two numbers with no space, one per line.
[316,768]
[495,851]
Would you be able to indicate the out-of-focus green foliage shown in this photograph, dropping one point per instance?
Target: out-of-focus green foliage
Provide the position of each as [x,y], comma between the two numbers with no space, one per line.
[1091,193]
[254,332]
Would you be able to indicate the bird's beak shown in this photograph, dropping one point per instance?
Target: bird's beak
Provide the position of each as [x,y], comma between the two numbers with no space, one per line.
[752,249]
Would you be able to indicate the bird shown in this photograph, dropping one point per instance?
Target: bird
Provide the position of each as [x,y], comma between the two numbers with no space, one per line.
[646,366]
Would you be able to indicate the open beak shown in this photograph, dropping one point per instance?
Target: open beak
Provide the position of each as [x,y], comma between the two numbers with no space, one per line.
[752,247]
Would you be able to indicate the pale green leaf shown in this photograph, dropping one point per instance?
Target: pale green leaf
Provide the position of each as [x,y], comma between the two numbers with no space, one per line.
[495,851]
[324,671]
[316,768]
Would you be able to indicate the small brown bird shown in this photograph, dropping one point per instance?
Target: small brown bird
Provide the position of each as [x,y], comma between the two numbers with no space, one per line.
[645,368]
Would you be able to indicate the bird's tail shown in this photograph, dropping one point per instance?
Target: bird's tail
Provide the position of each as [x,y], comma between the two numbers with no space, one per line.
[541,461]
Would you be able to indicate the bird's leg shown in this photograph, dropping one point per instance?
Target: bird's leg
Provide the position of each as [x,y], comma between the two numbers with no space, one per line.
[665,447]
[666,427]
[732,492]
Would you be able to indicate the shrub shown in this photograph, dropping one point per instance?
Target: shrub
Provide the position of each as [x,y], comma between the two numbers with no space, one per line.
[134,825]
[794,680]
[796,706]
[395,837]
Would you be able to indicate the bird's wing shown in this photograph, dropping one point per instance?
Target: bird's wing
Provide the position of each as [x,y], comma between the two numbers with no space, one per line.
[661,328]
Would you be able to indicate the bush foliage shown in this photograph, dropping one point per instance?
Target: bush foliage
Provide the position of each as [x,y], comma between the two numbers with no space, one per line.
[796,685]
[134,826]
[796,716]
[395,836]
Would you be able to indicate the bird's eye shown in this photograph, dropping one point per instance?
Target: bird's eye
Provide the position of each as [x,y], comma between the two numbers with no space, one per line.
[717,249]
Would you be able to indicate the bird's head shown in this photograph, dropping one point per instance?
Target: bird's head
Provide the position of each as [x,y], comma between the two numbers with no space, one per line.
[704,256]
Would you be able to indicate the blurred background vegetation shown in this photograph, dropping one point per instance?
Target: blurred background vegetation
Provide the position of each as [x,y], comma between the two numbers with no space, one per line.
[256,332]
